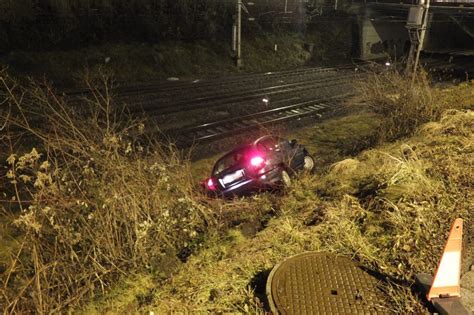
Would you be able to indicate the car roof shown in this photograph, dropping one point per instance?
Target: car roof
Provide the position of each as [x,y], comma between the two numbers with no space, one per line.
[251,144]
[237,149]
[264,138]
[247,145]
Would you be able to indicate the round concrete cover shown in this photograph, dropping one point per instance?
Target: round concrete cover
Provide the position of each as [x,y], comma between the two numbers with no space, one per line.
[322,283]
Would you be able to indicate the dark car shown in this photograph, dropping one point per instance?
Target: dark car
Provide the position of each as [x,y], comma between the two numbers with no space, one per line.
[266,163]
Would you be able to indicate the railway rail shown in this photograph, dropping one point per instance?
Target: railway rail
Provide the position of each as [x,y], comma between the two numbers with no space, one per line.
[227,127]
[163,103]
[239,79]
[222,100]
[312,83]
[184,109]
[240,83]
[156,100]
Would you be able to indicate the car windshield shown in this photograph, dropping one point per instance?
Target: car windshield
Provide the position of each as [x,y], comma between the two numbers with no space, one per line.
[234,158]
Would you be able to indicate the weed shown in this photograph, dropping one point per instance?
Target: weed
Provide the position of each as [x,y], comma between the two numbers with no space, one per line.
[388,208]
[403,104]
[101,204]
[94,198]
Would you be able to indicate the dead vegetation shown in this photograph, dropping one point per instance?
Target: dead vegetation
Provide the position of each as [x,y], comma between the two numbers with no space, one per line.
[104,213]
[389,208]
[404,104]
[92,198]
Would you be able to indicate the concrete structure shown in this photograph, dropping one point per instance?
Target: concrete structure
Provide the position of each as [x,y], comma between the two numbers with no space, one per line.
[382,31]
[380,25]
[381,38]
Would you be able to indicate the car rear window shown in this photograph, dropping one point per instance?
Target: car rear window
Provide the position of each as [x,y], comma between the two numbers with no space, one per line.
[268,144]
[229,160]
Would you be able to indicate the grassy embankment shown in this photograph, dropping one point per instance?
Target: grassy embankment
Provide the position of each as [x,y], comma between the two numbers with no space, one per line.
[140,62]
[100,210]
[389,207]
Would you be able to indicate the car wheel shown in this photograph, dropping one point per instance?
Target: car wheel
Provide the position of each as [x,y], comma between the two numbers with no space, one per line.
[308,164]
[285,179]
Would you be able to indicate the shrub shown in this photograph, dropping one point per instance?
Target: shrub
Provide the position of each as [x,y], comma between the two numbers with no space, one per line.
[403,103]
[95,199]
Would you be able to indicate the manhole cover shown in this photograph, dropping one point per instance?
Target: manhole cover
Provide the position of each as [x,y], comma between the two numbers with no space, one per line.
[322,283]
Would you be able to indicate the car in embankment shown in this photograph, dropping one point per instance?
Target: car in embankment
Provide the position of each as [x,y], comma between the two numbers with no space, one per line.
[266,163]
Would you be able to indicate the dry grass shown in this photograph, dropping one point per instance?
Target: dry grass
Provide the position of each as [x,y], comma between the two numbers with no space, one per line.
[404,104]
[389,208]
[93,199]
[391,213]
[95,204]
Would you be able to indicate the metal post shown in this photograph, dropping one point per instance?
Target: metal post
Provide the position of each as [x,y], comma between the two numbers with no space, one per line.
[424,26]
[417,25]
[234,38]
[238,57]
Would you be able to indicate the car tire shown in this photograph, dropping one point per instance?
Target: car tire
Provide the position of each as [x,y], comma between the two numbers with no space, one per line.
[308,163]
[285,179]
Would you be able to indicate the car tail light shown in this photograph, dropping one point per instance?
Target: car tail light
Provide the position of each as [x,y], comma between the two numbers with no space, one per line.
[257,161]
[210,184]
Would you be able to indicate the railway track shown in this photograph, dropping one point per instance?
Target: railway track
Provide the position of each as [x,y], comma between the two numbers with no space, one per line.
[239,79]
[190,106]
[227,127]
[289,108]
[246,97]
[221,100]
[169,98]
[241,83]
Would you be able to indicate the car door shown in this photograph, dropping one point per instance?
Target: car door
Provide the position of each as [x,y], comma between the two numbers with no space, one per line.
[292,153]
[297,155]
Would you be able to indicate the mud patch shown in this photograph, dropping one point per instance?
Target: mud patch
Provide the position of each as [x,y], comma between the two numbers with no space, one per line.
[250,227]
[259,284]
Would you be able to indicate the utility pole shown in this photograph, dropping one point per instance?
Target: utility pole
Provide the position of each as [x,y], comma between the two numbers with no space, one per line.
[238,56]
[234,37]
[417,25]
[237,30]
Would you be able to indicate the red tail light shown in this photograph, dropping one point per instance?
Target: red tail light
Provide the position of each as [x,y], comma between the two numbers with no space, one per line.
[210,184]
[257,161]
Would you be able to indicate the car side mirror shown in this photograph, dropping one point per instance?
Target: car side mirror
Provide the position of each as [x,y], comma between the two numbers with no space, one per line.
[293,142]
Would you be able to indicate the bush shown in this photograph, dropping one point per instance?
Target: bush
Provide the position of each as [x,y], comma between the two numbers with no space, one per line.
[404,104]
[94,199]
